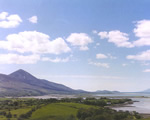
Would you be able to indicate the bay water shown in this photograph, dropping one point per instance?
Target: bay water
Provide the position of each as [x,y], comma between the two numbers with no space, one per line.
[142,106]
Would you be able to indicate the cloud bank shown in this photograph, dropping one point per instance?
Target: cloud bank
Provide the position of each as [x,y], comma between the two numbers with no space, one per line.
[34,42]
[80,39]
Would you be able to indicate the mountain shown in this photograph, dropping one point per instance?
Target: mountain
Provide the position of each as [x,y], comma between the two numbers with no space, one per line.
[146,91]
[22,83]
[106,92]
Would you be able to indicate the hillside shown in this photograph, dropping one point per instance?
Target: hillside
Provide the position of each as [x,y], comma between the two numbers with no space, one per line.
[22,83]
[146,91]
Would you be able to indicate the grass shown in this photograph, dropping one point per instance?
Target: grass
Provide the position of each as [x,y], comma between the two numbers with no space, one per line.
[148,118]
[53,111]
[58,111]
[18,112]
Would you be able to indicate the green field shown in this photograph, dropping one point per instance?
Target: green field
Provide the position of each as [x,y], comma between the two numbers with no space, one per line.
[58,111]
[65,109]
[53,111]
[148,118]
[16,112]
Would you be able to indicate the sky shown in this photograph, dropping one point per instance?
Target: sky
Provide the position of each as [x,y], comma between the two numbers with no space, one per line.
[83,44]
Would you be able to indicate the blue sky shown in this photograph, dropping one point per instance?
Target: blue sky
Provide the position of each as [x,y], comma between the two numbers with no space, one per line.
[89,44]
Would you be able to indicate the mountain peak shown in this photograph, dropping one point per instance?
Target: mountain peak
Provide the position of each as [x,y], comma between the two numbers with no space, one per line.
[22,74]
[20,70]
[21,83]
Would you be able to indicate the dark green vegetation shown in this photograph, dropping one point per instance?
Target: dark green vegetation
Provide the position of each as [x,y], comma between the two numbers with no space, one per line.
[106,114]
[64,109]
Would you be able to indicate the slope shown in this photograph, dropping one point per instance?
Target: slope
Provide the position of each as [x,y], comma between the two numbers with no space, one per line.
[22,83]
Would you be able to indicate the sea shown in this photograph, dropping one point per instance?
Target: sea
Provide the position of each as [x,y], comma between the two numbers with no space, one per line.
[141,104]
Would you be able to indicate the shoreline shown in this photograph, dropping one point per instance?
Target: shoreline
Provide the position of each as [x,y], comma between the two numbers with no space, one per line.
[127,104]
[145,115]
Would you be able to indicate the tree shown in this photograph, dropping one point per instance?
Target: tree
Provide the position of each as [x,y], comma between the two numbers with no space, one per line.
[9,115]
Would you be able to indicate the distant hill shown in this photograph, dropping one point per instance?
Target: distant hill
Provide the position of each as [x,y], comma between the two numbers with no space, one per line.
[146,91]
[22,83]
[106,92]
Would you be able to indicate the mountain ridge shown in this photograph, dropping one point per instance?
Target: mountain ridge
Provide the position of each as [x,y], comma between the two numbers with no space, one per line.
[146,91]
[22,83]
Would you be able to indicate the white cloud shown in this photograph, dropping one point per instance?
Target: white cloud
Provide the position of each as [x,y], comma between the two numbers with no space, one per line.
[101,56]
[103,35]
[144,56]
[124,64]
[97,44]
[120,39]
[84,48]
[10,21]
[33,19]
[14,17]
[34,42]
[111,57]
[145,64]
[142,31]
[3,15]
[80,39]
[83,77]
[147,70]
[56,60]
[18,59]
[98,64]
[94,32]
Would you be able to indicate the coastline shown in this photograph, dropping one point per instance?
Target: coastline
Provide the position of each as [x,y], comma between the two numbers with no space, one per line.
[145,115]
[127,104]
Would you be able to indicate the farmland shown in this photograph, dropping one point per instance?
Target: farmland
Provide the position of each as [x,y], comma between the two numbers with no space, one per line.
[64,109]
